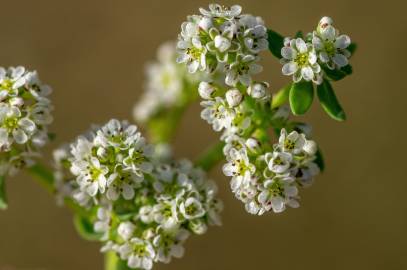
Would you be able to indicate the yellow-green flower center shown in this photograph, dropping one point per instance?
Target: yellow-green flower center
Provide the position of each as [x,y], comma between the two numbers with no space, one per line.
[288,144]
[10,123]
[330,48]
[301,59]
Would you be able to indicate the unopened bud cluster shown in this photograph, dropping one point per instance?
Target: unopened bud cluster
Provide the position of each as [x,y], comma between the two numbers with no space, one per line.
[143,208]
[25,113]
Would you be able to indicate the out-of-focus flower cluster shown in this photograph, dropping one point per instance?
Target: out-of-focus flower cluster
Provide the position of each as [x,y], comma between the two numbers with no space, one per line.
[167,84]
[143,207]
[323,48]
[225,40]
[25,113]
[264,176]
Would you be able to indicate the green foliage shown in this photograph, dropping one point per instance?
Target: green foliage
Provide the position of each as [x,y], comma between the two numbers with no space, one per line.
[337,74]
[319,160]
[113,262]
[281,96]
[299,34]
[84,227]
[301,97]
[276,42]
[329,102]
[3,197]
[44,176]
[352,48]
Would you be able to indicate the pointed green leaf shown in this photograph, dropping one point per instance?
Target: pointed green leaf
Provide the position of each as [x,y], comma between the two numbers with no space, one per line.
[301,96]
[84,227]
[329,102]
[281,97]
[276,42]
[337,74]
[3,197]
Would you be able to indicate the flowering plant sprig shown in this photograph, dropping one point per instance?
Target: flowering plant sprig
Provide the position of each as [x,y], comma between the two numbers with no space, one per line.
[25,113]
[264,175]
[141,207]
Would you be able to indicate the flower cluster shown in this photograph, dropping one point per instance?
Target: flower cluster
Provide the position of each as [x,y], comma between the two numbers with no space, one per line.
[167,84]
[270,181]
[264,176]
[223,39]
[143,208]
[324,47]
[25,113]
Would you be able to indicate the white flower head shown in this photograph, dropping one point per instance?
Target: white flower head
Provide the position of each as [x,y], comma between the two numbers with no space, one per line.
[126,230]
[292,142]
[258,90]
[330,46]
[138,253]
[278,162]
[300,61]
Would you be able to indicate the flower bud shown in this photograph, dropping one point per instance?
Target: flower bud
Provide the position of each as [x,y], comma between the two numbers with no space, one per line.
[233,97]
[206,90]
[310,147]
[257,90]
[253,145]
[323,23]
[205,23]
[16,101]
[126,230]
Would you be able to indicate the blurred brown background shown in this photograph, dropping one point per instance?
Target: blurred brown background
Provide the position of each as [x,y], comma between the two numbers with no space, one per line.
[93,52]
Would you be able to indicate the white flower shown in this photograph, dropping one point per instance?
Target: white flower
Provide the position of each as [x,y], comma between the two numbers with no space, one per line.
[165,213]
[102,225]
[123,183]
[330,46]
[217,11]
[233,97]
[242,69]
[254,33]
[217,113]
[238,166]
[278,162]
[191,50]
[300,61]
[292,143]
[126,230]
[169,244]
[138,253]
[310,147]
[14,127]
[277,193]
[206,90]
[191,208]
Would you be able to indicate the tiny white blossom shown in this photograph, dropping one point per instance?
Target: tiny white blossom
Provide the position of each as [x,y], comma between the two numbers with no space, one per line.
[233,97]
[125,230]
[300,61]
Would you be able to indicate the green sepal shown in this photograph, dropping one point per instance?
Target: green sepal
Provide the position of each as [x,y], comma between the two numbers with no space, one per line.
[329,102]
[319,160]
[281,96]
[84,227]
[3,196]
[301,97]
[276,42]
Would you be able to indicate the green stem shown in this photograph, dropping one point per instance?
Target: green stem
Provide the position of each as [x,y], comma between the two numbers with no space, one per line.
[208,159]
[3,197]
[43,176]
[113,262]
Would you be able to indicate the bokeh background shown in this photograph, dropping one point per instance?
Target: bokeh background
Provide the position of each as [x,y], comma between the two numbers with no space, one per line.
[93,54]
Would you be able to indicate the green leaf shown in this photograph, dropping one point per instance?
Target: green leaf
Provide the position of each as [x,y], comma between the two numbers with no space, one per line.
[299,34]
[44,176]
[301,96]
[84,227]
[352,48]
[329,102]
[113,262]
[337,74]
[276,42]
[281,97]
[3,197]
[319,160]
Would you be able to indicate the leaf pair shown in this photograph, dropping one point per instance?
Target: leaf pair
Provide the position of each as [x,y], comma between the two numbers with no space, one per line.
[302,94]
